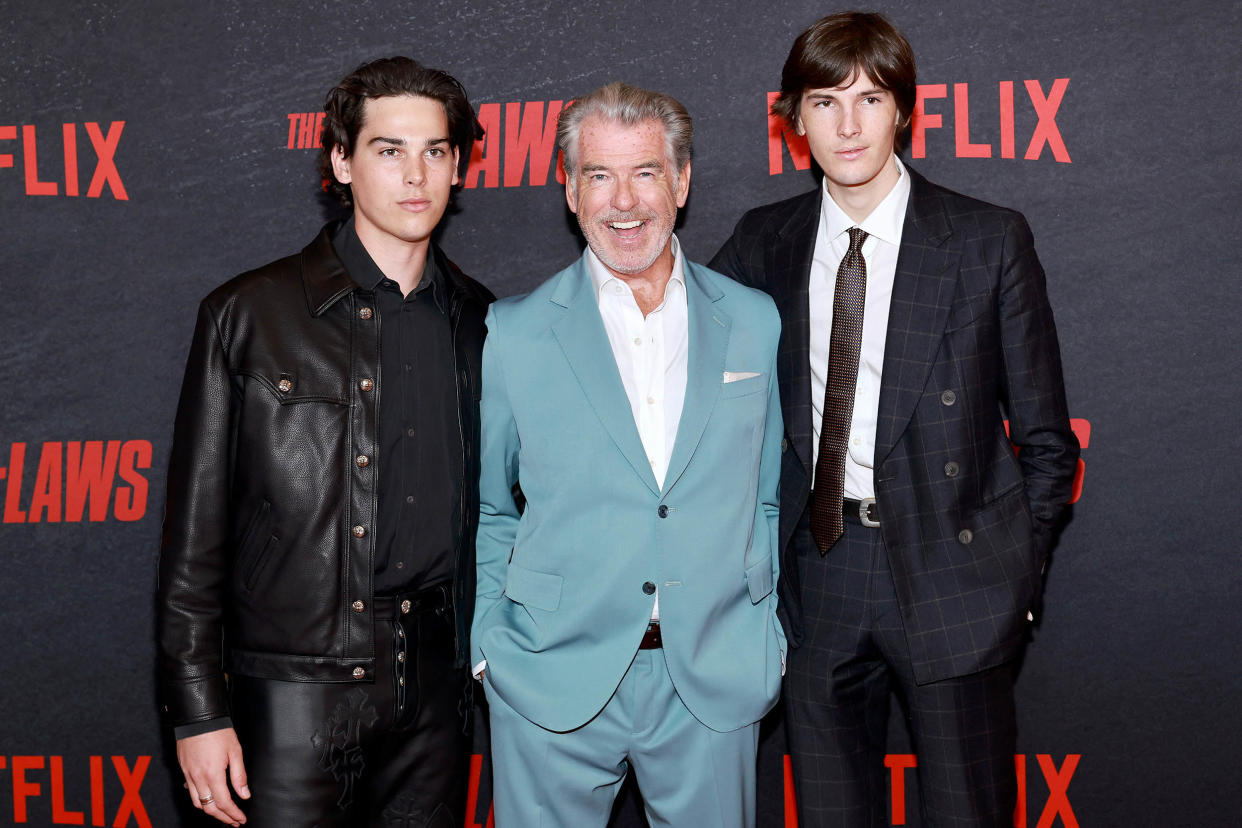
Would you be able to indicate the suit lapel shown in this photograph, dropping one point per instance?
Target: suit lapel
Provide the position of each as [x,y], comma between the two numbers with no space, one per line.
[708,339]
[923,289]
[789,260]
[581,335]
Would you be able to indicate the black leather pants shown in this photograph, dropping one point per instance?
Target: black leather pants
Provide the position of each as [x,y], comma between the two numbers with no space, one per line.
[392,753]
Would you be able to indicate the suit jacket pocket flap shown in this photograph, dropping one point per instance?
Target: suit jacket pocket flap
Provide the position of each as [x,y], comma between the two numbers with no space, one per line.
[533,589]
[759,579]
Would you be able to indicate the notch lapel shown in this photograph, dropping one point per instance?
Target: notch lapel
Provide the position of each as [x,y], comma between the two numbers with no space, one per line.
[923,289]
[707,341]
[789,260]
[581,335]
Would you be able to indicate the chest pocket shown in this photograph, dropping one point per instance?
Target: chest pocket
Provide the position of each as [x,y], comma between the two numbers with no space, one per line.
[291,387]
[969,308]
[743,387]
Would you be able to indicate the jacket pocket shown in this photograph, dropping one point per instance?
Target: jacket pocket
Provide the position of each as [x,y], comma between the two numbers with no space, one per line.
[540,590]
[740,388]
[759,579]
[966,310]
[255,545]
[258,563]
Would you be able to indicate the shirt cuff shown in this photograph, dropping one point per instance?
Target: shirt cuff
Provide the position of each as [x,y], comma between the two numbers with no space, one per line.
[477,672]
[199,728]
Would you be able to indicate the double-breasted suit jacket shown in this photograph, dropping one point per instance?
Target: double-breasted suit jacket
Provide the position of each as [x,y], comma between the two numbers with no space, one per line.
[966,523]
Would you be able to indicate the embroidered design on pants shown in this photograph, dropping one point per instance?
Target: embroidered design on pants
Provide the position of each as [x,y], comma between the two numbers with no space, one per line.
[339,742]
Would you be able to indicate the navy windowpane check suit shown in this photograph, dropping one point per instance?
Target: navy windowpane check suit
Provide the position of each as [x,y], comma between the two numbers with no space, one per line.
[966,525]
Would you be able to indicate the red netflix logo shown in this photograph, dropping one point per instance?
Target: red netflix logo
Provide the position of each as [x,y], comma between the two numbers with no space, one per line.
[76,481]
[31,772]
[1056,806]
[103,144]
[1045,135]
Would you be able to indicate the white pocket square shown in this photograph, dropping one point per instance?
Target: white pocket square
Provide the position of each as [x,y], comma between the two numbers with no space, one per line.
[734,376]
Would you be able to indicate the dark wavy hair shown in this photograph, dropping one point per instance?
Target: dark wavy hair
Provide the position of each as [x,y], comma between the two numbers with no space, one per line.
[344,109]
[833,50]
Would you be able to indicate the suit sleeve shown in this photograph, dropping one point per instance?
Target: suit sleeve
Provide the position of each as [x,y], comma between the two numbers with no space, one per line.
[193,568]
[498,475]
[769,483]
[1034,385]
[731,259]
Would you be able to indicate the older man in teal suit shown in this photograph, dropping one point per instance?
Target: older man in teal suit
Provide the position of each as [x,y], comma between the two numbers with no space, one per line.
[631,440]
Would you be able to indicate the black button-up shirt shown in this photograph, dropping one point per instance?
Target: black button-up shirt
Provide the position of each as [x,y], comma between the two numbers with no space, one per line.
[419,467]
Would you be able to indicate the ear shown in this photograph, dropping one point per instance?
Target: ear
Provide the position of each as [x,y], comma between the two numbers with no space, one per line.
[571,192]
[340,165]
[799,129]
[456,167]
[682,190]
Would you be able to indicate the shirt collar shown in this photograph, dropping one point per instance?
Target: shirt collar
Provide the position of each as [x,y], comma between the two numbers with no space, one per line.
[363,269]
[884,222]
[602,277]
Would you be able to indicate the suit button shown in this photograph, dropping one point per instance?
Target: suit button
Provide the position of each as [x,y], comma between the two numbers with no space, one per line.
[662,511]
[401,658]
[649,588]
[366,384]
[365,313]
[965,536]
[360,531]
[948,397]
[285,385]
[363,461]
[405,607]
[359,673]
[951,469]
[357,606]
[784,445]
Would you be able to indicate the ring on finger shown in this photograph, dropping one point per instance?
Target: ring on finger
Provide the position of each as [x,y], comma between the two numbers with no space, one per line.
[207,800]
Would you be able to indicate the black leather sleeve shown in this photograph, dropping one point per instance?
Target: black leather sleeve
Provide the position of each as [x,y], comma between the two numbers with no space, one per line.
[193,569]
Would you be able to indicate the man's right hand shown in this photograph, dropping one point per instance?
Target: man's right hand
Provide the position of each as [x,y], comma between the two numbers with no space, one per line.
[204,760]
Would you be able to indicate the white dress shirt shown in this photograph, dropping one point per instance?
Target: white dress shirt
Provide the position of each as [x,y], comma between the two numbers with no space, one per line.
[651,354]
[883,229]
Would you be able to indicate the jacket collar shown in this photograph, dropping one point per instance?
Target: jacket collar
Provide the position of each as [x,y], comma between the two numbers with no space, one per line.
[326,280]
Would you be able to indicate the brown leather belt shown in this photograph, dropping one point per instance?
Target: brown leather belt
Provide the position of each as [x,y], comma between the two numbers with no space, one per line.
[651,638]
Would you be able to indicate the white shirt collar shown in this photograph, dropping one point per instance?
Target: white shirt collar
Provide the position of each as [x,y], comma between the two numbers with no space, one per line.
[602,277]
[884,222]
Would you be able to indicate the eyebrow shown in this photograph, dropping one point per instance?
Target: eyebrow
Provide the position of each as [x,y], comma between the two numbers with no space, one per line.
[400,142]
[651,164]
[836,93]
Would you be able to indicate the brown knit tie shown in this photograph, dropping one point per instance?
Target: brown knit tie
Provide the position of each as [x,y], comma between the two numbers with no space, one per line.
[847,322]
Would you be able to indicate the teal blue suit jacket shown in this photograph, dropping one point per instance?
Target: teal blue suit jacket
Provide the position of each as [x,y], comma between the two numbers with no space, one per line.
[561,606]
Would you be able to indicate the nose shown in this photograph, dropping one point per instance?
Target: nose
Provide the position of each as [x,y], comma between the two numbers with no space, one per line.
[415,171]
[849,125]
[623,196]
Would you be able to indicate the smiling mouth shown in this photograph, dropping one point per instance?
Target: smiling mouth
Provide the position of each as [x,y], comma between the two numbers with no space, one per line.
[626,229]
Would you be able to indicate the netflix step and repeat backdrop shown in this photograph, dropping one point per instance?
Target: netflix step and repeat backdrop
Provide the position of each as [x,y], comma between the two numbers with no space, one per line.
[148,152]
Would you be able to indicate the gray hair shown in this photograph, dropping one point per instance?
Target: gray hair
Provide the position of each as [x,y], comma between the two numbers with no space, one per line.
[625,104]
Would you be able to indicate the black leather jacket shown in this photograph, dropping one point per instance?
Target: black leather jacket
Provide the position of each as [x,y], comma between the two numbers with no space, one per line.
[266,565]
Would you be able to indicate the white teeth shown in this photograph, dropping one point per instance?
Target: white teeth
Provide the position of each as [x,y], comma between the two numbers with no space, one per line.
[624,225]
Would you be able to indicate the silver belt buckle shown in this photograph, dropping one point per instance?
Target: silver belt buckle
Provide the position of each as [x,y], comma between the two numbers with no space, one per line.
[863,507]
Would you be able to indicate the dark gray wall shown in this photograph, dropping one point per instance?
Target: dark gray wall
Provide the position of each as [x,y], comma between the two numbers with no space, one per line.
[1134,665]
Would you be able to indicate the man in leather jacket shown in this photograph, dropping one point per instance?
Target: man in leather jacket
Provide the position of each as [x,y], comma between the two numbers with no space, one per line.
[317,570]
